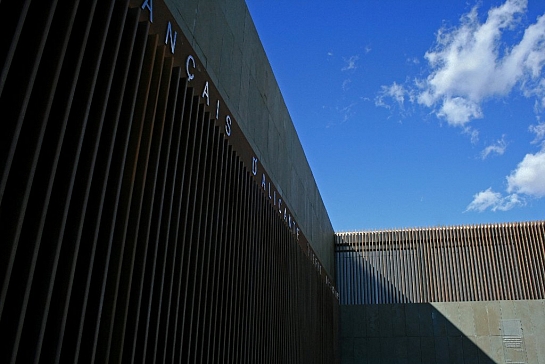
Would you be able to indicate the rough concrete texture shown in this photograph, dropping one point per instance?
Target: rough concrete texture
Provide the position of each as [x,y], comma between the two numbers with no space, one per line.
[225,39]
[446,332]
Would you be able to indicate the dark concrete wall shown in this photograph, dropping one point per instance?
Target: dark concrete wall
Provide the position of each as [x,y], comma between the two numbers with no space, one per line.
[225,39]
[446,332]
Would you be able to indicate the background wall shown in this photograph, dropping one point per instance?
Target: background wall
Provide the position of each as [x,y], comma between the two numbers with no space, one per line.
[446,332]
[442,264]
[243,75]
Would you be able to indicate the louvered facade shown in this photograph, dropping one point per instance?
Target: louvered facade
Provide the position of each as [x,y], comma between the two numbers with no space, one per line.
[136,224]
[444,264]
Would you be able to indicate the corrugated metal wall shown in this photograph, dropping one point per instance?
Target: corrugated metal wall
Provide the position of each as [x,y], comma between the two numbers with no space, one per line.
[130,230]
[444,264]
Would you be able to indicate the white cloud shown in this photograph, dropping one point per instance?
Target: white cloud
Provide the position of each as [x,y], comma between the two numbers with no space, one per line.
[526,181]
[472,63]
[396,92]
[473,134]
[539,131]
[529,176]
[458,111]
[350,63]
[510,201]
[489,199]
[483,200]
[497,148]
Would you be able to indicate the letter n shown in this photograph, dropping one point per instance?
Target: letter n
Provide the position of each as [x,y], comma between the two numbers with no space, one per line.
[171,38]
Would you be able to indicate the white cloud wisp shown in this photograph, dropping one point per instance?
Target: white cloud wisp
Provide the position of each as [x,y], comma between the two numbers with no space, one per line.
[489,199]
[539,131]
[396,92]
[350,63]
[497,148]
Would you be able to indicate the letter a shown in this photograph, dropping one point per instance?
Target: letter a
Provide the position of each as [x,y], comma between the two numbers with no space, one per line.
[148,4]
[205,93]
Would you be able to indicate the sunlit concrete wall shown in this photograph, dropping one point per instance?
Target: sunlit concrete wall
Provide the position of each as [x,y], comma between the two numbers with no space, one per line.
[225,38]
[447,332]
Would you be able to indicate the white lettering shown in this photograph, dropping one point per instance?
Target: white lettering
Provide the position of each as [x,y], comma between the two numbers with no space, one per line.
[263,181]
[285,211]
[280,205]
[254,166]
[228,125]
[217,109]
[148,4]
[171,38]
[205,93]
[269,190]
[189,59]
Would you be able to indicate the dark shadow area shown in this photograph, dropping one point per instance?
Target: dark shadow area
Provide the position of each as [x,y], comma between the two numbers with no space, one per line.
[360,282]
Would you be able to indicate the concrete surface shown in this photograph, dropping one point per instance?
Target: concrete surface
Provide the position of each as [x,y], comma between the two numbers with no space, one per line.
[225,39]
[444,332]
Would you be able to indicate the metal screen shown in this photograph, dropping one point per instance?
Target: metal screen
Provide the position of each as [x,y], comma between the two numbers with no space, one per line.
[130,229]
[444,264]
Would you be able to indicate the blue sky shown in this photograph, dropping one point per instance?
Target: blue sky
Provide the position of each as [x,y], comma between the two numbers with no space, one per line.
[415,113]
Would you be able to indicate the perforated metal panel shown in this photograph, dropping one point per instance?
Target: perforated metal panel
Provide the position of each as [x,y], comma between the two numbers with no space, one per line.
[513,341]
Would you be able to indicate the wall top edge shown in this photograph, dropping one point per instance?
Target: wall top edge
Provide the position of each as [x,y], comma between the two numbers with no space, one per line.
[443,227]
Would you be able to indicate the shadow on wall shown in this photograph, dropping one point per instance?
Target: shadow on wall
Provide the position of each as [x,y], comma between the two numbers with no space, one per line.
[406,333]
[360,282]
